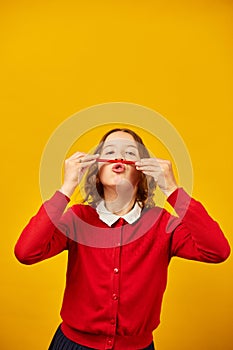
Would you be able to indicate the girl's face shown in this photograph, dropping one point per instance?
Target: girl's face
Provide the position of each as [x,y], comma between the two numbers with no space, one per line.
[119,145]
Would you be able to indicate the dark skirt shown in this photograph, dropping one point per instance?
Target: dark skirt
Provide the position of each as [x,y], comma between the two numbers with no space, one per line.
[61,342]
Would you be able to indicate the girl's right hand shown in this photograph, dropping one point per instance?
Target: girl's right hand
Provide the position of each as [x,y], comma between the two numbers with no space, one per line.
[74,169]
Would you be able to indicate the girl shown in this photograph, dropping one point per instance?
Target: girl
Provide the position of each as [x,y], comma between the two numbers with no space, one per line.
[119,243]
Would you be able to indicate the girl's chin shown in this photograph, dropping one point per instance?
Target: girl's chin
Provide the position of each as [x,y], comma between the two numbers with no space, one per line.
[122,186]
[120,182]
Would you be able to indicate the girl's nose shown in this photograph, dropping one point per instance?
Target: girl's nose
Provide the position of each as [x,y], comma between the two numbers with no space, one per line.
[119,155]
[119,159]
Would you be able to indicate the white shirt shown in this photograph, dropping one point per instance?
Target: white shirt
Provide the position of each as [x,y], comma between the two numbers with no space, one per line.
[109,218]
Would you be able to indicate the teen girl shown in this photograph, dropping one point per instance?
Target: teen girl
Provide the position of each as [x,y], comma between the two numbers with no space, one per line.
[119,244]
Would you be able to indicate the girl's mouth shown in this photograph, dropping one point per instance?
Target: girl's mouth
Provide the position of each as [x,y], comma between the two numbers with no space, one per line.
[118,168]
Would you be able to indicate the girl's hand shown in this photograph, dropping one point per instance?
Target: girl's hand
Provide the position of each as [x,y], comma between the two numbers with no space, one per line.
[161,171]
[74,169]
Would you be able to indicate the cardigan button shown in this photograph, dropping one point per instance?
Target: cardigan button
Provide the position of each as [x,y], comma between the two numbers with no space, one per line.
[115,297]
[109,342]
[112,321]
[116,270]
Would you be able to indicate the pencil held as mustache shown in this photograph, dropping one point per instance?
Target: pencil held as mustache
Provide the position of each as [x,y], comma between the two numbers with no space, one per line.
[123,161]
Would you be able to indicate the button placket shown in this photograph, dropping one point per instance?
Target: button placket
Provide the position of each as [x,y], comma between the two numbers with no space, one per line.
[109,343]
[115,283]
[115,296]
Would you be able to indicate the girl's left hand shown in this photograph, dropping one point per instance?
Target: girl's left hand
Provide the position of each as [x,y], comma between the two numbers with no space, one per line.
[162,172]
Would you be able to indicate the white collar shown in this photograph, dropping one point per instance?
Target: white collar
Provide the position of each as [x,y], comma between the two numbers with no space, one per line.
[109,218]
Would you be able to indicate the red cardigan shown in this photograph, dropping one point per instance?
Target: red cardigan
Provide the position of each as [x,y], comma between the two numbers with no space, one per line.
[116,277]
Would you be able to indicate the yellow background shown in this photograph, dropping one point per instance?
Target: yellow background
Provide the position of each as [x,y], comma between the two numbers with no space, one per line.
[60,57]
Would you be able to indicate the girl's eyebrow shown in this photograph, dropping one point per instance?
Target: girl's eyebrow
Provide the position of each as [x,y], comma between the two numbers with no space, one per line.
[108,146]
[132,146]
[113,145]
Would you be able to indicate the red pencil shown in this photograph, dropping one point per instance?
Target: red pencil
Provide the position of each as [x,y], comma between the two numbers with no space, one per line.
[123,161]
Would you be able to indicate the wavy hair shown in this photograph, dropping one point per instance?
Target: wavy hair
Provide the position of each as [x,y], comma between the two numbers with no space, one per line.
[94,189]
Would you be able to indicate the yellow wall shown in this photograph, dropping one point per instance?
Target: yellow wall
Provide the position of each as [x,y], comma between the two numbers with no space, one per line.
[60,57]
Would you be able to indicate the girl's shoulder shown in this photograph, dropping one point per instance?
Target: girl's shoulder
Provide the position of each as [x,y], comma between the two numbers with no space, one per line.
[82,208]
[84,211]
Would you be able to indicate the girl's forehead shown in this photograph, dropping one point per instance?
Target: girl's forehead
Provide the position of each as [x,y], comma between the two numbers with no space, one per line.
[120,135]
[118,142]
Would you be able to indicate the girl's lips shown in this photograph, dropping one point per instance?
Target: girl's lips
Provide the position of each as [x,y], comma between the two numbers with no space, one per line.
[118,168]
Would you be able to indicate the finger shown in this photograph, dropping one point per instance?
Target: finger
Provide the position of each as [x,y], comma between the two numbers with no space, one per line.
[152,174]
[149,167]
[90,157]
[85,163]
[77,155]
[151,161]
[84,155]
[147,161]
[87,157]
[155,168]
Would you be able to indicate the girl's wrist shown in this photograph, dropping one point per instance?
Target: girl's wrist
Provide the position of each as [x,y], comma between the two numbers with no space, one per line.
[168,192]
[67,190]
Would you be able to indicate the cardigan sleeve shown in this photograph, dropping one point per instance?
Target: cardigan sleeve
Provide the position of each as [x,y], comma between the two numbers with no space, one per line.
[196,235]
[44,236]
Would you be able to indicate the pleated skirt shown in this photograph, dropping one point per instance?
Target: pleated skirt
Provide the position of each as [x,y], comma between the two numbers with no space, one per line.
[61,342]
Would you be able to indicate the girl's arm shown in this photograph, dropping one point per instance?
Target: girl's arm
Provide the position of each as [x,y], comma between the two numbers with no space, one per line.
[195,235]
[46,234]
[41,238]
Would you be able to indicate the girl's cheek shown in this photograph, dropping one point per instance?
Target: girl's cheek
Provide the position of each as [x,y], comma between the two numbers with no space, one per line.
[103,172]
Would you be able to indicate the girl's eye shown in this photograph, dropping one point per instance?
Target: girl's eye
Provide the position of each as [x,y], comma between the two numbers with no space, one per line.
[131,153]
[109,154]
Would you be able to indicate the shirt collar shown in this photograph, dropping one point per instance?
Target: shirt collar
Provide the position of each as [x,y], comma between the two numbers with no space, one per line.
[109,218]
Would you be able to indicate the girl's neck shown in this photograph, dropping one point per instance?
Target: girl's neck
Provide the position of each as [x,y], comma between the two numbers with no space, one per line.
[119,204]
